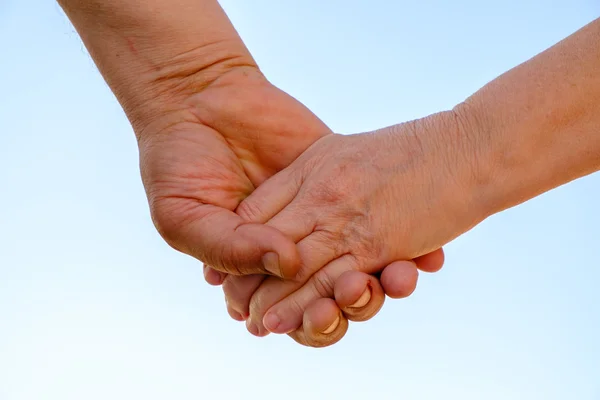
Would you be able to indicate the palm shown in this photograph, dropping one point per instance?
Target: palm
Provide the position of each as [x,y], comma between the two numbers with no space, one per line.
[238,136]
[264,127]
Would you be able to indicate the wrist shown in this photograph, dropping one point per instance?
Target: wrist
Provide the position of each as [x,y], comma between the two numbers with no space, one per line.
[478,176]
[155,53]
[504,154]
[447,162]
[535,127]
[161,103]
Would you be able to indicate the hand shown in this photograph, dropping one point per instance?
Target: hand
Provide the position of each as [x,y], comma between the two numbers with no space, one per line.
[358,203]
[179,72]
[202,163]
[240,131]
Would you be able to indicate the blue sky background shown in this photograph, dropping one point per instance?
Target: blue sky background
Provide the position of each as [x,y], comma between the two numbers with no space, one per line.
[93,304]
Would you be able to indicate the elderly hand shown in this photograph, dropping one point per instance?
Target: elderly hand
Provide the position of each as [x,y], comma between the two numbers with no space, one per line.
[209,126]
[359,203]
[241,130]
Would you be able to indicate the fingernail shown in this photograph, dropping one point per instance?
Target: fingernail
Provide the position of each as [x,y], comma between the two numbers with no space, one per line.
[253,329]
[275,324]
[271,263]
[332,327]
[213,277]
[236,316]
[271,322]
[363,300]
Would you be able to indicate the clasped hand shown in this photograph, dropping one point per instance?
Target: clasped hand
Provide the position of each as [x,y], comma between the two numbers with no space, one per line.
[321,241]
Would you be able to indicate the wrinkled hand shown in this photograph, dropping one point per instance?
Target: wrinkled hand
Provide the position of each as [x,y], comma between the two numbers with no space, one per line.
[358,203]
[206,159]
[196,170]
[209,126]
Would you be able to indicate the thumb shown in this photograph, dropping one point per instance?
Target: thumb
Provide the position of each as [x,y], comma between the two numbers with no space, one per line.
[223,240]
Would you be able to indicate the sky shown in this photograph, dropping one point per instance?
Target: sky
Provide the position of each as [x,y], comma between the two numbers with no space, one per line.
[94,305]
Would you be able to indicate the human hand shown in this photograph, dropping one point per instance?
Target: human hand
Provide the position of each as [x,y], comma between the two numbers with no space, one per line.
[358,203]
[245,130]
[233,134]
[198,105]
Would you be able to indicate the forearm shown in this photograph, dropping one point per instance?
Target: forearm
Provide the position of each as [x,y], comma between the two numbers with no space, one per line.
[157,48]
[538,126]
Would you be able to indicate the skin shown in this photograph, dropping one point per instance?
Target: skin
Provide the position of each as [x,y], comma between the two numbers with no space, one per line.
[355,203]
[210,129]
[344,203]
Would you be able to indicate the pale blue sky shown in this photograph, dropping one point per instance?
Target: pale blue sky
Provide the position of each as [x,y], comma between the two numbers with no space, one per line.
[93,304]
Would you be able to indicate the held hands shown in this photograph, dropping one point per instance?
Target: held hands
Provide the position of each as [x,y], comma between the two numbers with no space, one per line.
[230,137]
[201,160]
[359,203]
[211,129]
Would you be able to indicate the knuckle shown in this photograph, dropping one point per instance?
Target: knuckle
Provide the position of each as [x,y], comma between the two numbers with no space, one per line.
[363,241]
[229,288]
[330,192]
[304,274]
[323,241]
[292,307]
[355,233]
[332,238]
[323,283]
[350,230]
[258,305]
[250,211]
[234,314]
[234,303]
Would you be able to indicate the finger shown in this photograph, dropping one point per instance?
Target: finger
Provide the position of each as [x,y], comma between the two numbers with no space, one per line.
[212,276]
[316,250]
[275,203]
[269,293]
[399,279]
[238,291]
[359,295]
[431,262]
[270,197]
[220,238]
[295,221]
[253,329]
[323,325]
[279,307]
[235,315]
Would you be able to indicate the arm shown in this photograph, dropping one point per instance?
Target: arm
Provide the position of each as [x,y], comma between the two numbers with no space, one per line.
[210,128]
[357,202]
[537,126]
[191,90]
[153,52]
